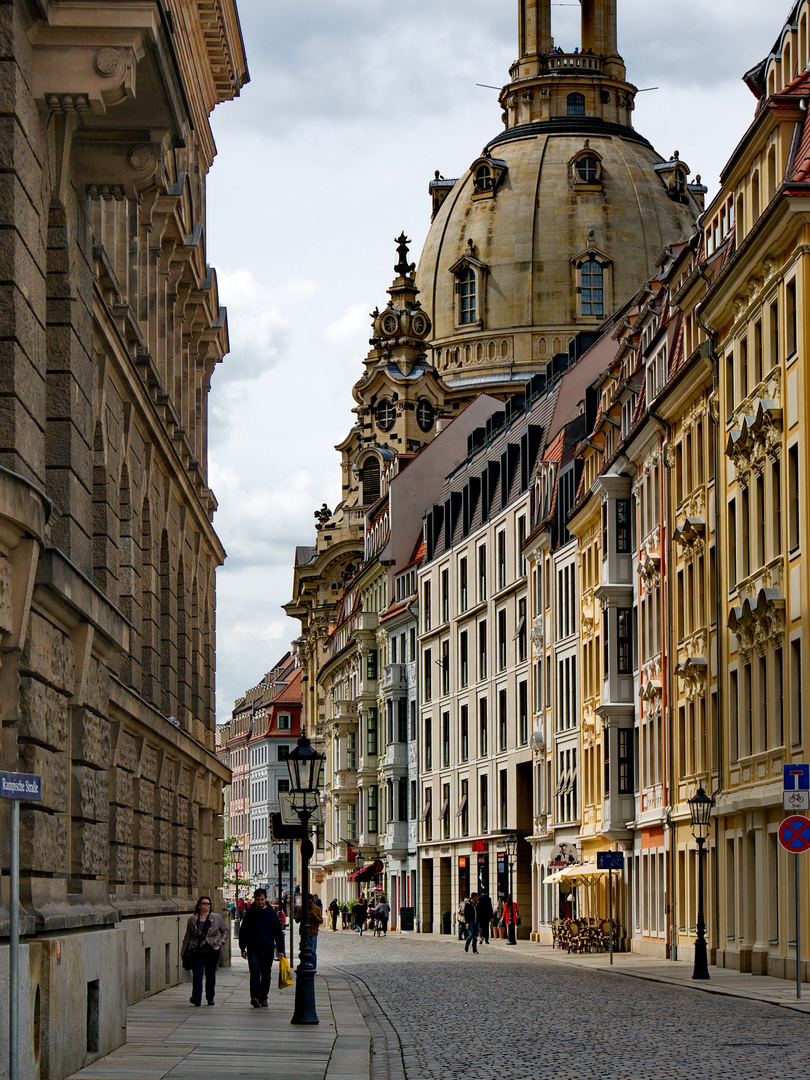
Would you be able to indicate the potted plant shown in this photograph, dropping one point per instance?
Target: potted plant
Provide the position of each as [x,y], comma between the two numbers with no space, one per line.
[446,927]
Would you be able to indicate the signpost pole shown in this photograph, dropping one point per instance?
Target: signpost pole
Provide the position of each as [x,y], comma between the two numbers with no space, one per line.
[14,948]
[798,936]
[610,908]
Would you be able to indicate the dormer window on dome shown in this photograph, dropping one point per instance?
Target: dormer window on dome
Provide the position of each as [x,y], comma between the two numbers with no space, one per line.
[586,170]
[487,174]
[674,175]
[470,289]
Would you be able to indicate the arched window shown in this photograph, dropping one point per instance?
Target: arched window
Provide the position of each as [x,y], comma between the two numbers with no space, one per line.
[576,104]
[591,287]
[371,481]
[483,178]
[465,283]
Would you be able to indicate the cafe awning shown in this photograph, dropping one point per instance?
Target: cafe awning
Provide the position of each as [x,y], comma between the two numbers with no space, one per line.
[574,874]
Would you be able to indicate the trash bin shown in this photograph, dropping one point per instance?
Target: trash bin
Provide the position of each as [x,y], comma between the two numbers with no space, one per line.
[406,918]
[446,923]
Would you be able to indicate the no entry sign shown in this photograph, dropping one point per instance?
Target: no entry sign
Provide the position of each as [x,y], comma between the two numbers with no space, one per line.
[794,834]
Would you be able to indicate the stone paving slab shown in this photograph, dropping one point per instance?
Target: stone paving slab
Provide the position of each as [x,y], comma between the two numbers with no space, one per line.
[169,1038]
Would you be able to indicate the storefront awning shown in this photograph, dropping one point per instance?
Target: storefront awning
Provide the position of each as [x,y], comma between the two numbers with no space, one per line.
[366,873]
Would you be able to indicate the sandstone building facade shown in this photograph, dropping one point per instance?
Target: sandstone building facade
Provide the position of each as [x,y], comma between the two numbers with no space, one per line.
[110,329]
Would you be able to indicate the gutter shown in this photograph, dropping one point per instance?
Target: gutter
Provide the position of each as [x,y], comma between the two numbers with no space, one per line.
[673,948]
[710,338]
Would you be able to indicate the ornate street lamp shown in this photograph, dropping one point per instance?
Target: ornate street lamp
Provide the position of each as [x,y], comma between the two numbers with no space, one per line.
[236,851]
[511,852]
[700,807]
[304,765]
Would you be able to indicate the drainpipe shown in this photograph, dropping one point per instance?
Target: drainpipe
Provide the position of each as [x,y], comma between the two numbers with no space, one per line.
[673,948]
[711,338]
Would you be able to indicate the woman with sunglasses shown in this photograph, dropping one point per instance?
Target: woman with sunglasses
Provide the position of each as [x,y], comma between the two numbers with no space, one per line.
[205,934]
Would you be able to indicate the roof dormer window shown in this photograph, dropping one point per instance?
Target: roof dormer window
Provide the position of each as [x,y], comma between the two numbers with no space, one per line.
[586,170]
[465,287]
[470,289]
[483,179]
[487,174]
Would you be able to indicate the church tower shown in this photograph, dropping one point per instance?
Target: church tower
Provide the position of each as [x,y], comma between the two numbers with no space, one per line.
[557,222]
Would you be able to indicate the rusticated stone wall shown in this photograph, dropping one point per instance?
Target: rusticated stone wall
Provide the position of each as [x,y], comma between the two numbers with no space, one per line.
[110,329]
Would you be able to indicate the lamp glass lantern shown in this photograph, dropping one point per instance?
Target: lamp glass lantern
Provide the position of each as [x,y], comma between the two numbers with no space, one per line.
[304,765]
[700,807]
[511,845]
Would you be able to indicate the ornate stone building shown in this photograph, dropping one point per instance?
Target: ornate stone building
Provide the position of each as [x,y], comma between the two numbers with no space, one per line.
[110,328]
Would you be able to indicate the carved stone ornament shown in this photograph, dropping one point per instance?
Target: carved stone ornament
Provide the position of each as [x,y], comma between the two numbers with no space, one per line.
[692,672]
[757,440]
[107,62]
[649,570]
[758,623]
[141,157]
[690,537]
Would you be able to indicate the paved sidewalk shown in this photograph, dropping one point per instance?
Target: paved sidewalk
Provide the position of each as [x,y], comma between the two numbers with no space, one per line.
[168,1037]
[723,981]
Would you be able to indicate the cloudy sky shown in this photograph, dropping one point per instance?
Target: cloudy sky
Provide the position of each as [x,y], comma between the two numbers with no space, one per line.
[322,161]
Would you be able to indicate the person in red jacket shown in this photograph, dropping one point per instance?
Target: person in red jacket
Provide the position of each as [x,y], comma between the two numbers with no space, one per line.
[509,915]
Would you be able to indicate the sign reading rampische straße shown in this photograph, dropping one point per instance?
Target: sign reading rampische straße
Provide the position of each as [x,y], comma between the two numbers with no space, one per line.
[17,785]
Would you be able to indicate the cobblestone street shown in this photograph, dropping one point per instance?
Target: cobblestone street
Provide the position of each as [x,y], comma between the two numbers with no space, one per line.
[517,1016]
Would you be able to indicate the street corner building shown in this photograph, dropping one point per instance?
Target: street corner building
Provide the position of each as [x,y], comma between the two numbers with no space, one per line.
[110,328]
[563,595]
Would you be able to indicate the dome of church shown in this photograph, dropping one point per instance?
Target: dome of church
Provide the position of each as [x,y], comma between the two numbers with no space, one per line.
[558,222]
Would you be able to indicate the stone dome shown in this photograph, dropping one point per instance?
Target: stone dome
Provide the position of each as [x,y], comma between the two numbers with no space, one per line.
[557,223]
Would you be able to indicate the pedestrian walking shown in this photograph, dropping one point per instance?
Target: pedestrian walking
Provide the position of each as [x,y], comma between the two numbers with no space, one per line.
[360,910]
[471,923]
[334,911]
[485,913]
[261,932]
[315,920]
[509,915]
[206,933]
[462,924]
[383,915]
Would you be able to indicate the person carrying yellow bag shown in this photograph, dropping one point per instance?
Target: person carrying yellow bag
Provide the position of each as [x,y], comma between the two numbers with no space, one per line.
[284,974]
[259,933]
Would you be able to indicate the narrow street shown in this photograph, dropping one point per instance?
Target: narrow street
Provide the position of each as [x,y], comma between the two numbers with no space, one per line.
[419,1008]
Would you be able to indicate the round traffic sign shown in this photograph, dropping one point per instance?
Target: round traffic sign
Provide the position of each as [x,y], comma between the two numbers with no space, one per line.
[794,834]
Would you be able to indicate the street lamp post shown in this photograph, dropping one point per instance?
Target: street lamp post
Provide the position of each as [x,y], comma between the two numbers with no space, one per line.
[236,851]
[700,807]
[304,764]
[511,851]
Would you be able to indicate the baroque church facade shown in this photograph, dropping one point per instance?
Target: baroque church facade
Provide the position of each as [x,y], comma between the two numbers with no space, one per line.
[111,327]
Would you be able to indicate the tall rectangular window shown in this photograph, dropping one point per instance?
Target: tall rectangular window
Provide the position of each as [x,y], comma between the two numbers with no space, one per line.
[796,692]
[371,664]
[483,728]
[482,573]
[793,497]
[734,715]
[623,529]
[445,667]
[501,546]
[790,319]
[464,808]
[464,733]
[402,720]
[372,807]
[445,739]
[428,741]
[773,327]
[732,543]
[483,803]
[626,771]
[462,584]
[503,799]
[463,658]
[502,639]
[402,799]
[427,675]
[523,713]
[371,732]
[522,632]
[502,720]
[426,605]
[521,540]
[624,641]
[776,507]
[444,592]
[482,650]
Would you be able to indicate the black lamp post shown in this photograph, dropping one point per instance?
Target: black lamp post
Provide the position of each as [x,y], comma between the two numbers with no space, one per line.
[511,851]
[700,807]
[278,848]
[236,851]
[304,764]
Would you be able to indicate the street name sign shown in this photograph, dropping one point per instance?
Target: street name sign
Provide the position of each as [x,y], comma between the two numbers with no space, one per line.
[794,834]
[17,785]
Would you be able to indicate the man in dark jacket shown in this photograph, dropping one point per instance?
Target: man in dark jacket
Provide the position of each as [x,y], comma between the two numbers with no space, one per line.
[471,922]
[259,934]
[484,908]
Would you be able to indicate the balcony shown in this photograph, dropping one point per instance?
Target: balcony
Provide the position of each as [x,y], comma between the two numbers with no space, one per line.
[368,620]
[395,838]
[344,780]
[396,754]
[395,677]
[345,710]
